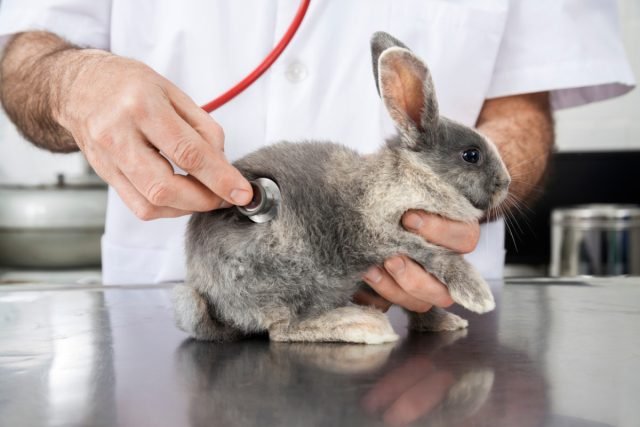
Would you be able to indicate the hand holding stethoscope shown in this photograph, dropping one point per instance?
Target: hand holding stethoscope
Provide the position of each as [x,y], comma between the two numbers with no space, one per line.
[128,121]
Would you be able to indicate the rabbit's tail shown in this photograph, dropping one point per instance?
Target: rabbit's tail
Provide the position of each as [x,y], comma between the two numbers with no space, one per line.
[194,315]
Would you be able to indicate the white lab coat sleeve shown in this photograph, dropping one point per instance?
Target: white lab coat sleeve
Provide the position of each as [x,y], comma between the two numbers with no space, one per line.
[572,48]
[82,22]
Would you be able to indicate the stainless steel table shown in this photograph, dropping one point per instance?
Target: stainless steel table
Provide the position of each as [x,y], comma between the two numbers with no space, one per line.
[552,354]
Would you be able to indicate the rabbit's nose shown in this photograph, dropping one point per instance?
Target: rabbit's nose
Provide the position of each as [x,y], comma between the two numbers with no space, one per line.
[499,184]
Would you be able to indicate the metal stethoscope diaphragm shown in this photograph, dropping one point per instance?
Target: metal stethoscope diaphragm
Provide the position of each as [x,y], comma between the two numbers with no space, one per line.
[265,203]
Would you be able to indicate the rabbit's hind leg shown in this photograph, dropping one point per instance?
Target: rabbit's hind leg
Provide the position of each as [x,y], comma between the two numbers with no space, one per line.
[352,323]
[193,315]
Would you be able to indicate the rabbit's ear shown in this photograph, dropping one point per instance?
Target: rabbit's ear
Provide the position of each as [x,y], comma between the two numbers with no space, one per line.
[405,85]
[381,41]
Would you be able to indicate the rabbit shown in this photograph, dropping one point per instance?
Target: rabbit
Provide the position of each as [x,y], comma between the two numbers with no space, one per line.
[293,277]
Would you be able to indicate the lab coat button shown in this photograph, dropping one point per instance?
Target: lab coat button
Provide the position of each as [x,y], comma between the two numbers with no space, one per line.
[296,72]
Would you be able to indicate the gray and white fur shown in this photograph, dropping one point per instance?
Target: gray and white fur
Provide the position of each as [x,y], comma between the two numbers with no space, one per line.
[294,276]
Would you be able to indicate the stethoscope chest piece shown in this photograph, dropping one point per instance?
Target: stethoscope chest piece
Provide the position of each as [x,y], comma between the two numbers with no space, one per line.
[265,203]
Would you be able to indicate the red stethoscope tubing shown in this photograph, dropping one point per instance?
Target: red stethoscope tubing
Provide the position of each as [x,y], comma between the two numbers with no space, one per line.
[264,65]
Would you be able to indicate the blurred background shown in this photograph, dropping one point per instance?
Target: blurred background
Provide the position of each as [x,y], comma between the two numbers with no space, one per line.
[596,161]
[598,153]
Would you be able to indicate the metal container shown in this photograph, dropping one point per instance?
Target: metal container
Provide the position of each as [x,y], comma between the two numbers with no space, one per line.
[53,226]
[595,240]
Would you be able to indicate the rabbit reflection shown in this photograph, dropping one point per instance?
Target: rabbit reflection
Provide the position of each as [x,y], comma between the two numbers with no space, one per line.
[257,383]
[433,379]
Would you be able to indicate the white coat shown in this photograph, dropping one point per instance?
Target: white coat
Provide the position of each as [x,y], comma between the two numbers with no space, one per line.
[322,86]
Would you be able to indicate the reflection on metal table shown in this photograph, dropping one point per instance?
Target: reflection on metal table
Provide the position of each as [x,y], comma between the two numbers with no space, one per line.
[552,354]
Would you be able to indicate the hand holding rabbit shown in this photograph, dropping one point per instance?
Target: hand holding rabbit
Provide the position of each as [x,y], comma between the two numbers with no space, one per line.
[412,287]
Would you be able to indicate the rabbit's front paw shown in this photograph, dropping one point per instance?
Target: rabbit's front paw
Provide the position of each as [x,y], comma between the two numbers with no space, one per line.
[436,320]
[466,286]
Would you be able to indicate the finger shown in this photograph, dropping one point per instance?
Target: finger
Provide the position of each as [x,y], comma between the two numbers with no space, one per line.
[137,203]
[153,177]
[458,236]
[385,286]
[370,299]
[415,281]
[219,202]
[186,148]
[419,400]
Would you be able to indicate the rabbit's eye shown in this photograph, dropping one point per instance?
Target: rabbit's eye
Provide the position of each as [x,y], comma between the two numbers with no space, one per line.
[472,155]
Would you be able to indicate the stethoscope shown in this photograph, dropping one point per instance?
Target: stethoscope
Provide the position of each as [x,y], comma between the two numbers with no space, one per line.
[266,193]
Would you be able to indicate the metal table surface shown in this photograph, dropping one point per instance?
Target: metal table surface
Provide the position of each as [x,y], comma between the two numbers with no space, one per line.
[552,354]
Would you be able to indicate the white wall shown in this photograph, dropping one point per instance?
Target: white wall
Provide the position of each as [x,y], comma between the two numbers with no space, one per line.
[610,125]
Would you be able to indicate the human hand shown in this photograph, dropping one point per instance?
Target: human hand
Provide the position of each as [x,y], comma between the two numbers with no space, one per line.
[404,282]
[123,115]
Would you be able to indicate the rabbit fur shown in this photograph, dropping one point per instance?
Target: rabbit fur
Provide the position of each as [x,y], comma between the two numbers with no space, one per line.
[340,213]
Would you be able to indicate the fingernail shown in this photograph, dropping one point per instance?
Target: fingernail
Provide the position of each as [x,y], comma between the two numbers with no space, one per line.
[413,221]
[395,265]
[373,275]
[225,205]
[240,197]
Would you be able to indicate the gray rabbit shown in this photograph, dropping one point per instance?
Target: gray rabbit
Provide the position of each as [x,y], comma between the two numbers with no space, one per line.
[339,214]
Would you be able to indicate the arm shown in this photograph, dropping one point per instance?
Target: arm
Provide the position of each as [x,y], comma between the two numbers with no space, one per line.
[522,128]
[29,98]
[121,114]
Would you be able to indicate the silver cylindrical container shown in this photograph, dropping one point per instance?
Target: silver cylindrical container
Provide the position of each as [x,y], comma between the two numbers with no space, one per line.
[595,240]
[52,226]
